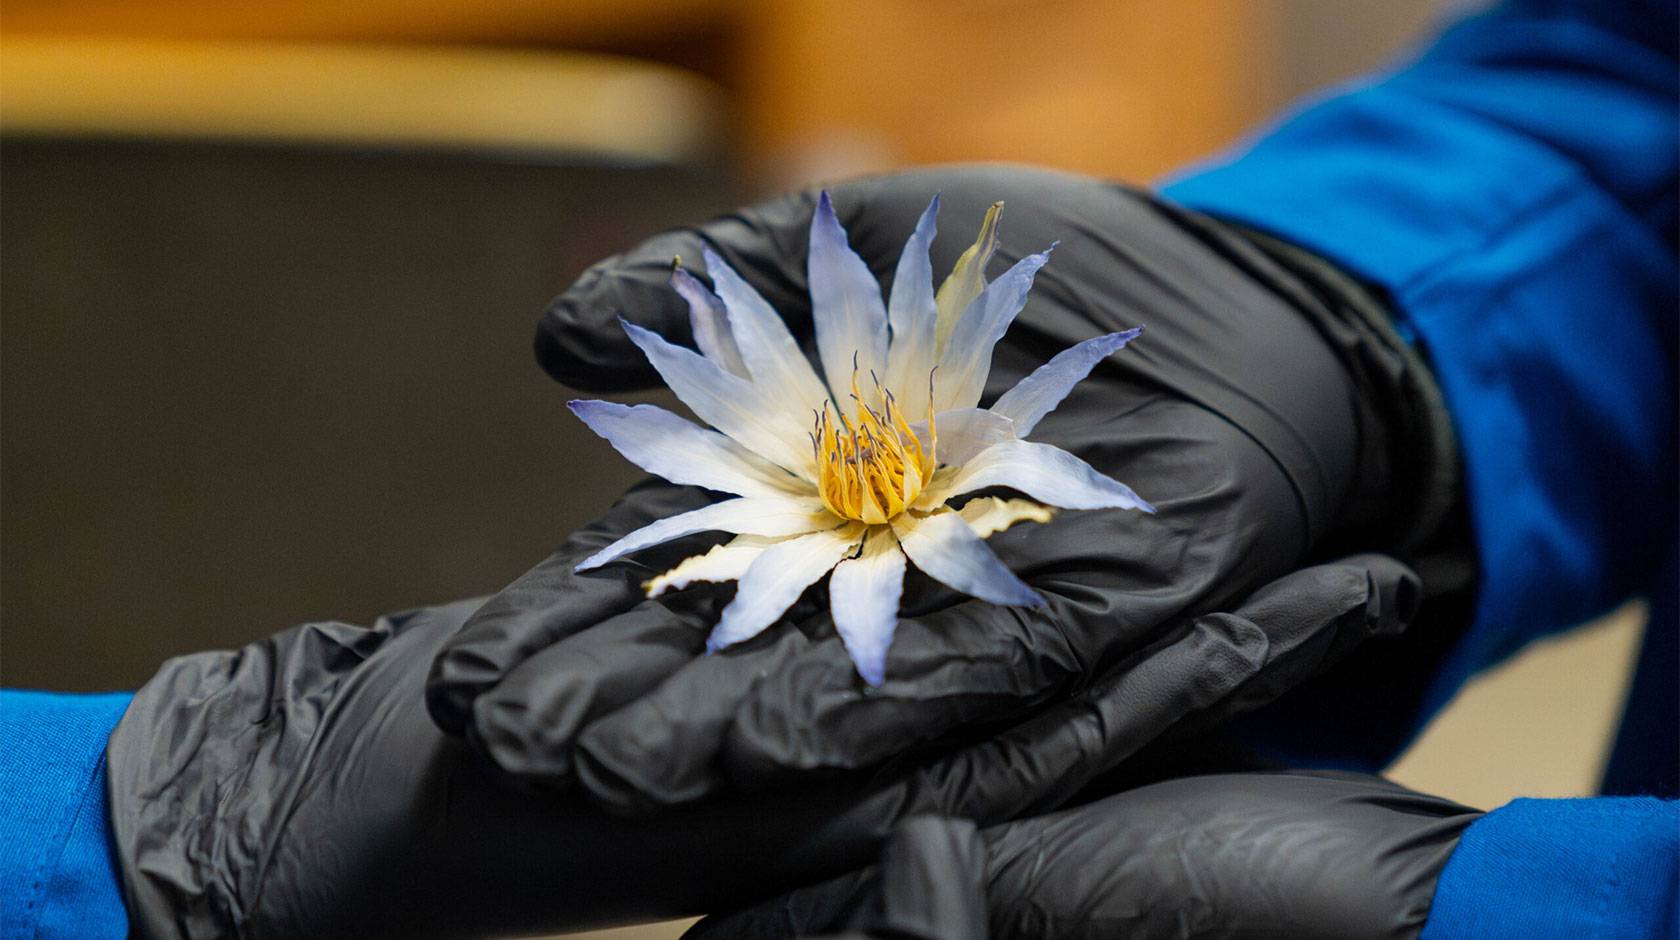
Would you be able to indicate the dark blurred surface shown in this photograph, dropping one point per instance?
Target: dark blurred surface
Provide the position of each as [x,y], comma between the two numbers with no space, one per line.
[243,387]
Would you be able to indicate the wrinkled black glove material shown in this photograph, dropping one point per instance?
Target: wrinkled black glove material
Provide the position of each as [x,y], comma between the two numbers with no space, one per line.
[1273,420]
[298,788]
[1301,854]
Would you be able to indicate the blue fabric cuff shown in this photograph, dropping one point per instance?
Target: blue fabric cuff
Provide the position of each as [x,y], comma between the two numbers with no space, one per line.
[1511,190]
[57,874]
[1603,868]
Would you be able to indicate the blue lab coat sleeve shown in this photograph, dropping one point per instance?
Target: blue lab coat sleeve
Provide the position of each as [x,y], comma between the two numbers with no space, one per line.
[1512,188]
[1603,868]
[58,878]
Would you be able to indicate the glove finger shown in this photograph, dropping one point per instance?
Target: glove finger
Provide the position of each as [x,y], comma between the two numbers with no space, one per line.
[551,602]
[1221,664]
[528,723]
[1305,854]
[1314,617]
[579,340]
[929,885]
[660,750]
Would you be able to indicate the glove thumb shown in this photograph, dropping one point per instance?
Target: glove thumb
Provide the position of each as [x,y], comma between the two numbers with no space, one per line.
[580,341]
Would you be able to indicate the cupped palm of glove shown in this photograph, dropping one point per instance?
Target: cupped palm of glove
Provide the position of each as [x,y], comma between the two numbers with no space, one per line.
[1232,416]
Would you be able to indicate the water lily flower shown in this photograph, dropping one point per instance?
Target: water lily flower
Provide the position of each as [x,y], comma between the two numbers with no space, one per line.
[850,470]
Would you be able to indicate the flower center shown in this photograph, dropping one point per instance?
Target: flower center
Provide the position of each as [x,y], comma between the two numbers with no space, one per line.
[871,468]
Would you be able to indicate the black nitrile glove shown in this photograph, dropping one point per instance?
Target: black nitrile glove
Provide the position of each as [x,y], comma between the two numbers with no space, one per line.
[1302,854]
[1270,417]
[298,788]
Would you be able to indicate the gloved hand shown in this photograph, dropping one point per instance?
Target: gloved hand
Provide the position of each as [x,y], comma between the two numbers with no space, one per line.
[1302,854]
[1268,416]
[298,788]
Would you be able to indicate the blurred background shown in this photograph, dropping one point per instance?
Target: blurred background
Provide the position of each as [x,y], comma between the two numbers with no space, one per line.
[269,272]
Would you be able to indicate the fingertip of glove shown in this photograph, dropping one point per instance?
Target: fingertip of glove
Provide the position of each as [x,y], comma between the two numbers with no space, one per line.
[579,341]
[457,677]
[611,782]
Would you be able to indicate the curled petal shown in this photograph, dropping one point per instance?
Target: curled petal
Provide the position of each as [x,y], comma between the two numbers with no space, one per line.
[727,402]
[774,360]
[863,597]
[775,580]
[726,562]
[989,515]
[967,358]
[710,322]
[913,317]
[967,278]
[1048,474]
[846,305]
[747,516]
[947,550]
[1038,394]
[681,451]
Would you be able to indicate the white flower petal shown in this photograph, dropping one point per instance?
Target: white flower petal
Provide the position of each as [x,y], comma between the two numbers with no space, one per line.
[746,516]
[727,402]
[947,550]
[681,451]
[846,307]
[1048,474]
[726,562]
[776,579]
[863,597]
[710,323]
[913,316]
[967,278]
[967,357]
[989,515]
[965,432]
[1038,394]
[776,363]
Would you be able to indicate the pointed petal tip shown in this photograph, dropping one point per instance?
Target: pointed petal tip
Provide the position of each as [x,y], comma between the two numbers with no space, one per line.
[872,673]
[585,407]
[825,217]
[680,278]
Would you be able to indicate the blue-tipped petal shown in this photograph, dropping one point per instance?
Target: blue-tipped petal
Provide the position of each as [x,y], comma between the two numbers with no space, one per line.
[774,581]
[1038,394]
[1048,474]
[967,358]
[745,516]
[774,360]
[863,597]
[846,306]
[948,551]
[710,322]
[913,316]
[681,451]
[727,402]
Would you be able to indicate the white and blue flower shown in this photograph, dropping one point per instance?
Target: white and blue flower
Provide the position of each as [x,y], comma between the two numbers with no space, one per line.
[852,475]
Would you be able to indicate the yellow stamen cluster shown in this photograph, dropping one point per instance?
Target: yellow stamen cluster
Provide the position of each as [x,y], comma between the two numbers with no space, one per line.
[871,468]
